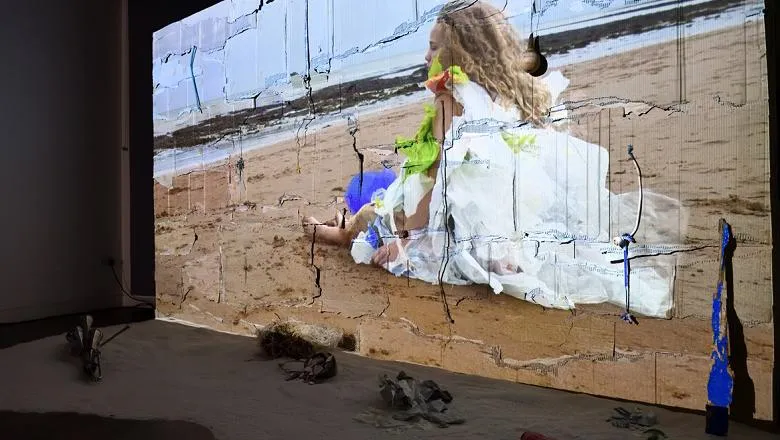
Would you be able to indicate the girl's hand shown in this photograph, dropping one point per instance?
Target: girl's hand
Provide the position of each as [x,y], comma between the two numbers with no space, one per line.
[386,254]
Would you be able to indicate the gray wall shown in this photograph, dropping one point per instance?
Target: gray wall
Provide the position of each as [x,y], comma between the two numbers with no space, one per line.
[60,156]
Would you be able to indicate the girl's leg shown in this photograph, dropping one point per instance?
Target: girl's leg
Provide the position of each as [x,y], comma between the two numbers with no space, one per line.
[336,235]
[339,220]
[324,233]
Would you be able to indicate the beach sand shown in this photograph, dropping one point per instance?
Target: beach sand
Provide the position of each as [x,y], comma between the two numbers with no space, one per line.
[233,256]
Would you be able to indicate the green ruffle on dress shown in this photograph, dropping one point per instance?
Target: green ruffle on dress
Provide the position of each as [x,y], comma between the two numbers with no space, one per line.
[423,150]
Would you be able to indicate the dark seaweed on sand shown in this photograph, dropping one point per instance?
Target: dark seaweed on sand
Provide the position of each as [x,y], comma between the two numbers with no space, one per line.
[564,42]
[329,100]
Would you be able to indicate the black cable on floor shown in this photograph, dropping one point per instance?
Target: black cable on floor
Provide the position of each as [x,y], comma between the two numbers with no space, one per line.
[125,292]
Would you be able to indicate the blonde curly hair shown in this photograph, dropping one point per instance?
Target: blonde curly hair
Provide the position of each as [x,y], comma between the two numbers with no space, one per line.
[478,38]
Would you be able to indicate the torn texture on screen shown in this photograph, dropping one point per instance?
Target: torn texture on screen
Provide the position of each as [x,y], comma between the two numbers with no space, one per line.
[555,190]
[269,113]
[229,59]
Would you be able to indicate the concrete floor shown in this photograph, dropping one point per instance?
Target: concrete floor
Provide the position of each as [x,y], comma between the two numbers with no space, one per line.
[175,373]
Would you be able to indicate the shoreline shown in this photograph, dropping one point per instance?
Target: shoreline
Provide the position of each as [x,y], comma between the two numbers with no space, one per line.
[170,162]
[343,96]
[218,155]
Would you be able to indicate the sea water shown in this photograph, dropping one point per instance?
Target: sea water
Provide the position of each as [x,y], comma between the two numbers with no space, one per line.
[176,161]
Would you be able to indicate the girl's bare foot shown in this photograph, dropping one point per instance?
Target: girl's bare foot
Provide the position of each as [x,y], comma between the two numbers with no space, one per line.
[338,220]
[325,234]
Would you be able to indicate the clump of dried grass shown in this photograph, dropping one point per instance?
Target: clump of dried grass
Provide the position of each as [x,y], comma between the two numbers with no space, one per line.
[280,340]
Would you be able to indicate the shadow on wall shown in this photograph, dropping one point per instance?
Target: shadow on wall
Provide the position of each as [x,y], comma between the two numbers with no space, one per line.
[743,403]
[28,426]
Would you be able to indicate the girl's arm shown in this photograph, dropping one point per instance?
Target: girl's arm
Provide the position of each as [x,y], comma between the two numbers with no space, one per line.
[446,108]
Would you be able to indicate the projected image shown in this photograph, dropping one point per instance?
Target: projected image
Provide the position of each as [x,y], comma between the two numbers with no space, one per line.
[335,156]
[490,188]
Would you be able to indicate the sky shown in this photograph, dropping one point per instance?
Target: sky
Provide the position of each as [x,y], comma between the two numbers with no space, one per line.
[239,54]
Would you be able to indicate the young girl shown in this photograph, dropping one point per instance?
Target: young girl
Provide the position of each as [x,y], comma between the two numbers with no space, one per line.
[479,23]
[490,195]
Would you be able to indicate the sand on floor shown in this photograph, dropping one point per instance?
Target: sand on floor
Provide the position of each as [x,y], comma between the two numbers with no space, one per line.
[159,370]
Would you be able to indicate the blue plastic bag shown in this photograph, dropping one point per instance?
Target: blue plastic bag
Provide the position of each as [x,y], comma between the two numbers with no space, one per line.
[356,197]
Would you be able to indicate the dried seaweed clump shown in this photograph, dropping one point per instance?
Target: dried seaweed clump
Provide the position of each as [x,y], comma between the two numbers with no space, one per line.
[348,342]
[280,340]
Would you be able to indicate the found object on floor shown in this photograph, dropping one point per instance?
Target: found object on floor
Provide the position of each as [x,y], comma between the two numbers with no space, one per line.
[316,368]
[84,342]
[528,435]
[654,434]
[624,418]
[720,383]
[716,420]
[280,340]
[417,400]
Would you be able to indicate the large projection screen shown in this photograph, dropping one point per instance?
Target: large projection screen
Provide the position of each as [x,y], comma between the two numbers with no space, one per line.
[295,179]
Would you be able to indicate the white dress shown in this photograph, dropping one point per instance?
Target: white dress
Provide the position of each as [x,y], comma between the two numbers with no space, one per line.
[553,245]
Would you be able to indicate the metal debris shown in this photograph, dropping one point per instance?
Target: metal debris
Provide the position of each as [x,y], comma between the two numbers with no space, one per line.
[86,342]
[317,368]
[418,400]
[637,419]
